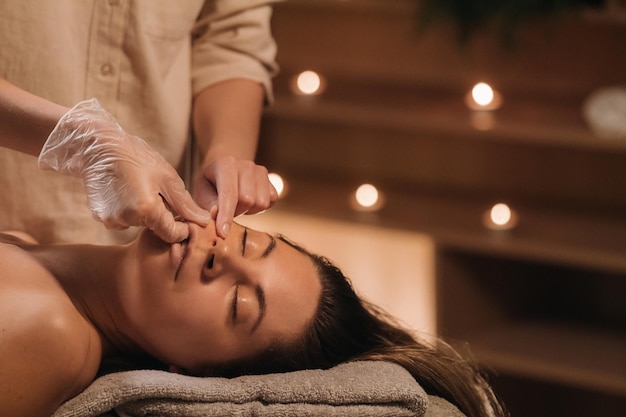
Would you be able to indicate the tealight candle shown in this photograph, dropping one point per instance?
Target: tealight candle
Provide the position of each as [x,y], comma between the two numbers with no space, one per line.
[308,83]
[500,217]
[367,198]
[483,97]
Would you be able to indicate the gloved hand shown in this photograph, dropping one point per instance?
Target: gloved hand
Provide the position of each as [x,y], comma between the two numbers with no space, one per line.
[126,181]
[229,187]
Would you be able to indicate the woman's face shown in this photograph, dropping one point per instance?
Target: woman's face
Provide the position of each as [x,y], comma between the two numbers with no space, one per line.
[207,301]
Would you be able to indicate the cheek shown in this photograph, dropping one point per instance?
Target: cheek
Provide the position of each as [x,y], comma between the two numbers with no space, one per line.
[195,308]
[154,272]
[196,316]
[181,330]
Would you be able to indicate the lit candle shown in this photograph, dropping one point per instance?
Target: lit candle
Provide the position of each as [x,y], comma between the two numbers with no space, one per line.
[308,83]
[500,217]
[483,97]
[367,198]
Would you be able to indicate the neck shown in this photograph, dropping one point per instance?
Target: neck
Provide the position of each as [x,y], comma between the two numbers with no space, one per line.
[92,277]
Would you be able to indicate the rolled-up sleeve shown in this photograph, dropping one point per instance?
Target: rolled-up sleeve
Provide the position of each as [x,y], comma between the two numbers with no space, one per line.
[233,39]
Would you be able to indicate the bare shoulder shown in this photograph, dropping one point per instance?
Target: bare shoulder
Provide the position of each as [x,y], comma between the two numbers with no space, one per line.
[46,355]
[18,267]
[48,352]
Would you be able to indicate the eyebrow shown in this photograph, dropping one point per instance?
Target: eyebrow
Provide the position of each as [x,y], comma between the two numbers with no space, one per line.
[260,295]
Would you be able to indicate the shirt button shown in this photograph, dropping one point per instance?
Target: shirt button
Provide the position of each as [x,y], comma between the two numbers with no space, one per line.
[106,69]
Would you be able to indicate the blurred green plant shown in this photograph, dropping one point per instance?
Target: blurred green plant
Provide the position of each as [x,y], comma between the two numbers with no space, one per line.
[504,16]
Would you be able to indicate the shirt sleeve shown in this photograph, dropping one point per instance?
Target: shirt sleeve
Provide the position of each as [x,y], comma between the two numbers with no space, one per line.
[233,39]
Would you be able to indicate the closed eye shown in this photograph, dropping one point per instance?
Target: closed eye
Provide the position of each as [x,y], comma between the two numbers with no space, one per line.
[244,239]
[234,304]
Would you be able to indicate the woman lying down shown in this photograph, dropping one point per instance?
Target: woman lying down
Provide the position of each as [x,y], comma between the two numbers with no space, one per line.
[253,303]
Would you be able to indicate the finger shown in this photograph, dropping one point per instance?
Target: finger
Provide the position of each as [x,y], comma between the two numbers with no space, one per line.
[178,199]
[266,194]
[176,232]
[260,201]
[162,222]
[273,193]
[227,186]
[248,191]
[204,194]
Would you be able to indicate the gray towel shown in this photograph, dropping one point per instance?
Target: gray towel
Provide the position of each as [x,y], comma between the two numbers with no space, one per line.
[439,407]
[360,389]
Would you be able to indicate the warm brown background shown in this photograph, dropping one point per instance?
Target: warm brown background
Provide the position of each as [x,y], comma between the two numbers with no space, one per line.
[543,305]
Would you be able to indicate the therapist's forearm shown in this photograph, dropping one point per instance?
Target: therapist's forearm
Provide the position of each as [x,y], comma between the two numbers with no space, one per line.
[26,120]
[226,119]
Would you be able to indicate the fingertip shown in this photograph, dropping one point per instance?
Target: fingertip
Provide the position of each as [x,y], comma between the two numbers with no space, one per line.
[225,229]
[222,229]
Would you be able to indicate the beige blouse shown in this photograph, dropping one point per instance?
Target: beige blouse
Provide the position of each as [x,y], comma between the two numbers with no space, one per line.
[144,60]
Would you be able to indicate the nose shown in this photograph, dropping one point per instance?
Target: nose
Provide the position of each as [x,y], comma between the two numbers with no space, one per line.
[223,262]
[221,257]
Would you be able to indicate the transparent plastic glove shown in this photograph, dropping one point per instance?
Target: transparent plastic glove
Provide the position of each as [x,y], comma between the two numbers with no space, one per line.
[229,187]
[127,182]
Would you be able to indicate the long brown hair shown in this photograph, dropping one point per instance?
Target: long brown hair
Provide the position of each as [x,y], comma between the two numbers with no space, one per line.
[347,328]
